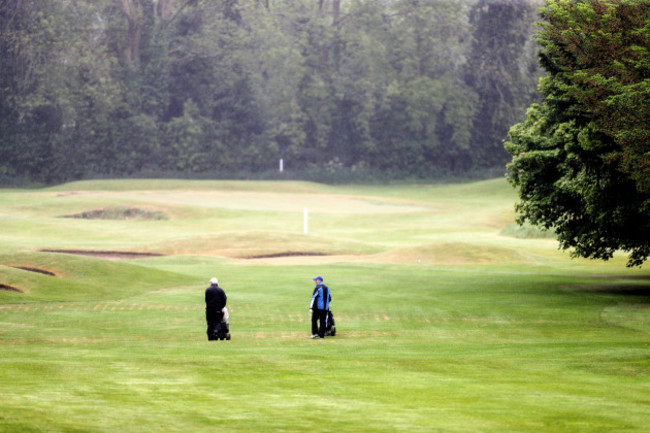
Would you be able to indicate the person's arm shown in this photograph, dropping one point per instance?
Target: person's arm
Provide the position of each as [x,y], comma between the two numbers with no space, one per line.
[313,299]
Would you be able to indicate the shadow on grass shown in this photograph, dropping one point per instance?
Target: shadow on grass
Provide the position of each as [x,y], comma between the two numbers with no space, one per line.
[623,290]
[638,287]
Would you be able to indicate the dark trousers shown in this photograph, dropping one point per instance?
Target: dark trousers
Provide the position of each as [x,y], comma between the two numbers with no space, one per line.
[316,316]
[214,323]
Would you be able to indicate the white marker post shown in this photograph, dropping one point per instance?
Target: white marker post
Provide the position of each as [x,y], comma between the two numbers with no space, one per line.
[281,165]
[306,220]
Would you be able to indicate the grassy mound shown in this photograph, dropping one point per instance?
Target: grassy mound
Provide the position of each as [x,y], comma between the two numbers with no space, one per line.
[453,253]
[252,244]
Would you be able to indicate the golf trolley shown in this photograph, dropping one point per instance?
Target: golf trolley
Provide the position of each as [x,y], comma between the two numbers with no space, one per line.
[330,329]
[222,331]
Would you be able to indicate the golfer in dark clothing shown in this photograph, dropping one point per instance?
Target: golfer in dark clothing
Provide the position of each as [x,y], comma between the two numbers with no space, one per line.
[319,306]
[215,301]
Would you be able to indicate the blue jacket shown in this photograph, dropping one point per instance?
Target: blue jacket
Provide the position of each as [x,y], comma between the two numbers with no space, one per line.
[321,298]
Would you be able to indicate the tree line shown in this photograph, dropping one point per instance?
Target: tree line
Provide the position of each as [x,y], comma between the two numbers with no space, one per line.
[581,159]
[207,87]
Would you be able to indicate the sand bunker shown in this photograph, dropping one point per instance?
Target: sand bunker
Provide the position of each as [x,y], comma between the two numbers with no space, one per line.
[32,269]
[110,255]
[9,288]
[120,213]
[287,254]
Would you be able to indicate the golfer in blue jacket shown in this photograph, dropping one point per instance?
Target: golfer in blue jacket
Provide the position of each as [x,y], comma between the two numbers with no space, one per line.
[319,306]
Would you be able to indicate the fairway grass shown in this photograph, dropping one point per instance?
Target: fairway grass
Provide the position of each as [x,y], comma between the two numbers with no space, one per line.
[444,324]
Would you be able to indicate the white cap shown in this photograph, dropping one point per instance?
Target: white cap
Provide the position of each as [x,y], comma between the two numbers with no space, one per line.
[214,280]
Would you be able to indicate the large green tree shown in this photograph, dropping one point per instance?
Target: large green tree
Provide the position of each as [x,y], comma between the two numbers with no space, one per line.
[502,69]
[580,160]
[423,116]
[56,90]
[29,78]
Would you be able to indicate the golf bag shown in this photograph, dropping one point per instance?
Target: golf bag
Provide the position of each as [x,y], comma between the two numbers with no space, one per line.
[222,331]
[330,329]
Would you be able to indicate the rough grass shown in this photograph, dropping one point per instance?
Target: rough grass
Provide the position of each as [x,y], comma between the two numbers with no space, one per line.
[527,231]
[443,324]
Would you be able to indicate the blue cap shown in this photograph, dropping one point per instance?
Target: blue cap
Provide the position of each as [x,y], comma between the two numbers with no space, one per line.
[318,278]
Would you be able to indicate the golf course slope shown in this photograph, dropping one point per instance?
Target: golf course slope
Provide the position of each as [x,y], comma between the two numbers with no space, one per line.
[449,318]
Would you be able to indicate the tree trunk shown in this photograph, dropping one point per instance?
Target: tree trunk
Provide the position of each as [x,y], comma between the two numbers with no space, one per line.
[163,10]
[134,31]
[336,12]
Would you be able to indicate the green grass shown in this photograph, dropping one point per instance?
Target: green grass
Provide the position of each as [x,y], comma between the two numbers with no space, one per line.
[445,324]
[527,231]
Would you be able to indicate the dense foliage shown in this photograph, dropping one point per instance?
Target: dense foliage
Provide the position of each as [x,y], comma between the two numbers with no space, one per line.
[117,88]
[581,159]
